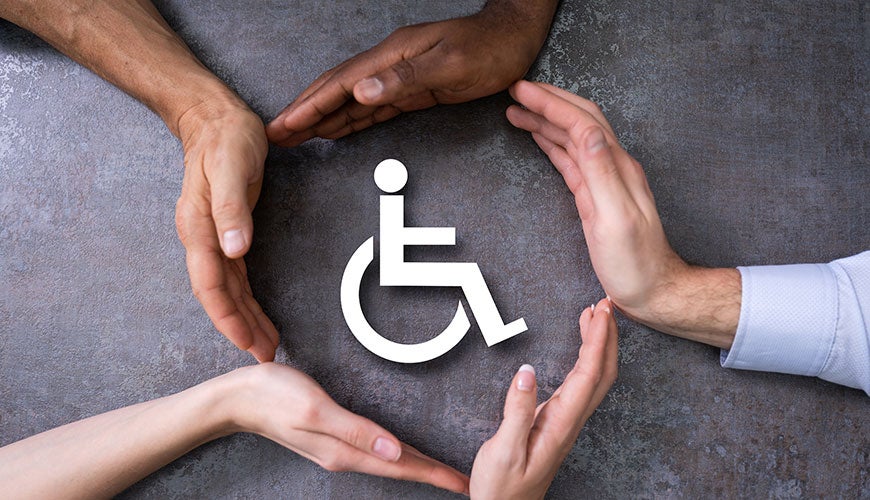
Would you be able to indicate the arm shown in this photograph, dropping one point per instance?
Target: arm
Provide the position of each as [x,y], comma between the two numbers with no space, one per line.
[417,67]
[818,311]
[520,461]
[102,455]
[129,44]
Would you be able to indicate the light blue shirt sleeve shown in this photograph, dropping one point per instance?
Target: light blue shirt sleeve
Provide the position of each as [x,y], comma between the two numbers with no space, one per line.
[806,319]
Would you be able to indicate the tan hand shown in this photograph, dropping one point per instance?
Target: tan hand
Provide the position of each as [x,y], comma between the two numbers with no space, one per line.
[632,258]
[224,151]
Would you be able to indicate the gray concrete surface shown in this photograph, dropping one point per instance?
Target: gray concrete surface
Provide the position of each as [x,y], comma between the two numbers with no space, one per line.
[750,118]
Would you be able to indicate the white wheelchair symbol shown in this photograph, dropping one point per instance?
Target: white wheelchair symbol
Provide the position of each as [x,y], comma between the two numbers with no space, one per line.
[391,176]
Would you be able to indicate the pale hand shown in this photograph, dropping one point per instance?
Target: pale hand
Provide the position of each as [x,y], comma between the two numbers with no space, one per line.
[290,408]
[520,461]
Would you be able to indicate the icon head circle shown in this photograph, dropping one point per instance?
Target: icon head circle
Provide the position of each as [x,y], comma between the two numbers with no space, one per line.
[391,175]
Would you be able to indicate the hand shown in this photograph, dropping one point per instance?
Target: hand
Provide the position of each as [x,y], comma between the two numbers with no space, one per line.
[522,458]
[417,67]
[224,150]
[638,269]
[288,407]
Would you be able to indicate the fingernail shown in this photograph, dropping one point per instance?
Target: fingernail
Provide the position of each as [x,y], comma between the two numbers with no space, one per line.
[595,141]
[526,378]
[370,88]
[234,241]
[592,308]
[386,449]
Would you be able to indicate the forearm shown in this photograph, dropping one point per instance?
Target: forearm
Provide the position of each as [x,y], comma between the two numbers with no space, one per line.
[102,455]
[129,44]
[695,303]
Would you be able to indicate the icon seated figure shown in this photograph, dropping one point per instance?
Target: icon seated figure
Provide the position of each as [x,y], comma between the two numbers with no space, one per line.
[391,176]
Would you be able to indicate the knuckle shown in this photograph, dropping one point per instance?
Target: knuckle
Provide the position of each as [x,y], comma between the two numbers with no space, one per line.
[580,129]
[228,208]
[354,435]
[405,72]
[182,213]
[333,463]
[309,410]
[400,33]
[508,459]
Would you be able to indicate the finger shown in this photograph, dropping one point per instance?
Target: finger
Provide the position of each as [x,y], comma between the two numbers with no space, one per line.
[259,318]
[563,162]
[519,413]
[310,110]
[584,104]
[348,113]
[357,431]
[611,352]
[381,114]
[228,190]
[263,321]
[581,386]
[564,165]
[338,124]
[211,281]
[537,124]
[327,94]
[589,141]
[276,130]
[262,347]
[208,281]
[407,77]
[554,109]
[295,138]
[337,455]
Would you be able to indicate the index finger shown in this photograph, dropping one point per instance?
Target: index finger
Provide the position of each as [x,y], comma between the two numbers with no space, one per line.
[321,99]
[209,283]
[589,144]
[581,392]
[216,291]
[584,104]
[558,110]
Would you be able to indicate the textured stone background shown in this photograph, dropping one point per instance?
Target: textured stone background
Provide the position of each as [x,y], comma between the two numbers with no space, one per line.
[750,118]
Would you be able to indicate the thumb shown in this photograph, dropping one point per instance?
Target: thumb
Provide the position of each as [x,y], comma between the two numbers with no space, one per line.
[230,210]
[406,78]
[600,171]
[359,432]
[519,410]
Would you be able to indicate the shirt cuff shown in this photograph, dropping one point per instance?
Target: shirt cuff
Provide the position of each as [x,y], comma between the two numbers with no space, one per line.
[788,317]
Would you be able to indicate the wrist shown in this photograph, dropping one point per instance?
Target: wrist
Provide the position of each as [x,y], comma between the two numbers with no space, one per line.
[218,400]
[695,303]
[530,19]
[214,103]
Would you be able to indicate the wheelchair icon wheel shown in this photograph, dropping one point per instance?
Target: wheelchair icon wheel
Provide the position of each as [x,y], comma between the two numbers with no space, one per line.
[372,340]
